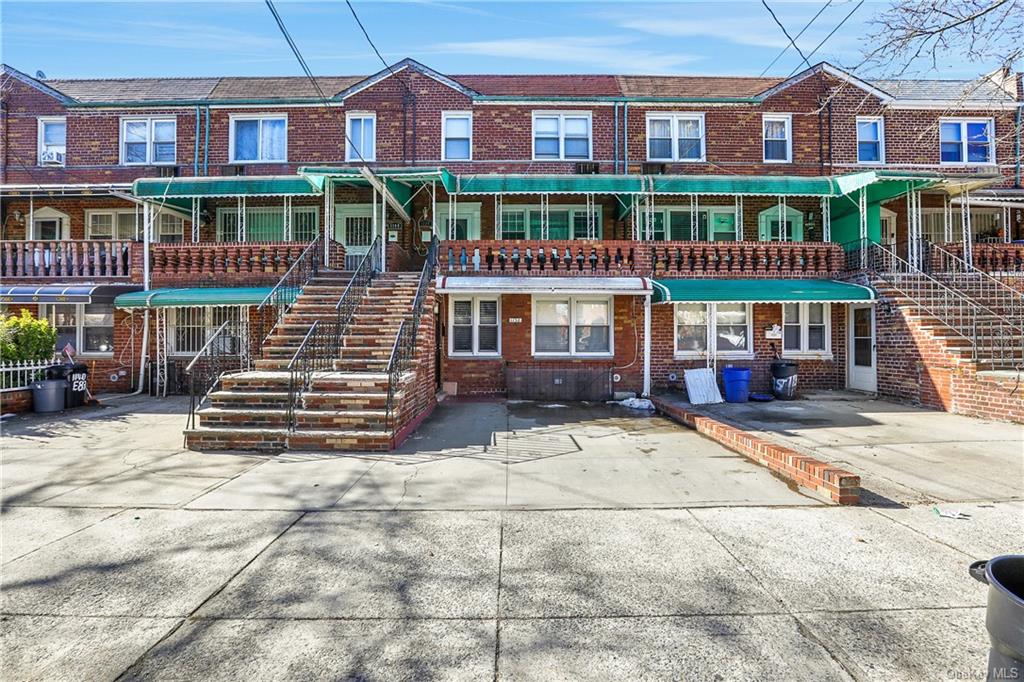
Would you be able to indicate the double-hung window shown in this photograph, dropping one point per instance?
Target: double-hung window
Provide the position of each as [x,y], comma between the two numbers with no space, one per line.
[259,138]
[778,138]
[572,326]
[52,140]
[675,137]
[561,136]
[361,131]
[87,327]
[148,141]
[474,327]
[805,328]
[457,136]
[966,141]
[729,326]
[870,139]
[112,224]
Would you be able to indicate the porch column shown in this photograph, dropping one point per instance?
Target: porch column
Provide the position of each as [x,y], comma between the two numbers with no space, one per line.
[913,237]
[433,207]
[383,228]
[195,219]
[694,217]
[286,219]
[1007,225]
[544,215]
[240,217]
[965,223]
[647,346]
[947,219]
[498,201]
[30,227]
[862,209]
[738,210]
[826,219]
[147,228]
[328,220]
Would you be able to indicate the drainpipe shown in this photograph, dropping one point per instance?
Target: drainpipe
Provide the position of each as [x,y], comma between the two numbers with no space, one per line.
[195,155]
[615,165]
[144,354]
[1016,181]
[830,136]
[647,346]
[206,143]
[625,138]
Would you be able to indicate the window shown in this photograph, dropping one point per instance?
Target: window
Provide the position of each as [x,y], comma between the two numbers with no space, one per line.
[188,329]
[675,137]
[806,328]
[870,140]
[52,141]
[729,326]
[561,136]
[112,224]
[457,136]
[768,225]
[572,326]
[565,222]
[966,141]
[361,143]
[474,327]
[88,327]
[778,143]
[986,224]
[465,225]
[266,224]
[149,141]
[714,223]
[170,229]
[513,224]
[258,138]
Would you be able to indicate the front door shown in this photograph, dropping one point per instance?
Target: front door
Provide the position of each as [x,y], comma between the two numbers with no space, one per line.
[889,230]
[353,227]
[862,374]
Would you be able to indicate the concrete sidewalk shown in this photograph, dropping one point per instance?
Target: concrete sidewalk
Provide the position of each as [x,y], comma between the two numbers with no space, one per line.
[506,541]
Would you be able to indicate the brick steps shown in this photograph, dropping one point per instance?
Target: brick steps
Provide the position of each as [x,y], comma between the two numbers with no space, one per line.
[347,420]
[278,440]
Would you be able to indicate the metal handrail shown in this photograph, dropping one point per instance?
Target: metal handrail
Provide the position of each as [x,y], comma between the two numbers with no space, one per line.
[212,377]
[404,347]
[1005,297]
[288,272]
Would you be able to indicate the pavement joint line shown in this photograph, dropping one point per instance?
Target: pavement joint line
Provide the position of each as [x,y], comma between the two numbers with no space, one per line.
[64,537]
[212,595]
[926,536]
[354,483]
[501,555]
[840,658]
[223,481]
[512,508]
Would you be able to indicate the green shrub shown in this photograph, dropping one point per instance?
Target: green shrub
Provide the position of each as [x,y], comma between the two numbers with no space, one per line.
[26,338]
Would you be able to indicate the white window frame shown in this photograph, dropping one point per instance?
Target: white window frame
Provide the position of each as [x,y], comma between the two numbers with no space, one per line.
[349,147]
[476,352]
[259,137]
[804,324]
[114,214]
[251,211]
[445,115]
[788,120]
[573,209]
[41,123]
[573,300]
[881,139]
[150,122]
[963,121]
[209,326]
[666,219]
[712,326]
[674,119]
[45,309]
[561,116]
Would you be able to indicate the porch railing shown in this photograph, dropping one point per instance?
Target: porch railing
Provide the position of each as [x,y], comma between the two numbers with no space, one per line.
[993,258]
[66,258]
[995,342]
[404,349]
[615,258]
[223,353]
[270,258]
[975,284]
[304,268]
[16,375]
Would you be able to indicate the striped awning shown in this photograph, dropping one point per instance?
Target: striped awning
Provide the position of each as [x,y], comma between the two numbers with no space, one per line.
[199,296]
[459,284]
[759,291]
[65,293]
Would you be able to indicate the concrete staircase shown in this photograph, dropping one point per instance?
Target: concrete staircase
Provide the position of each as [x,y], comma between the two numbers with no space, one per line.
[345,408]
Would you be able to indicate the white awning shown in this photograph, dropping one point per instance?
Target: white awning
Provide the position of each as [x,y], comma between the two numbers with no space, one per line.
[626,286]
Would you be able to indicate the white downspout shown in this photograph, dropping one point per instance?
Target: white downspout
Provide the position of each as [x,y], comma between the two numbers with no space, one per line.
[647,346]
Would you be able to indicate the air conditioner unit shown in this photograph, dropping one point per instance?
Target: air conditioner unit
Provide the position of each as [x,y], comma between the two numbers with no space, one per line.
[587,168]
[51,157]
[234,169]
[654,169]
[167,171]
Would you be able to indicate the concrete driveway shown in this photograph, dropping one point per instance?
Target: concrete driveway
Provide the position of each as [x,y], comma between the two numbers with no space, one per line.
[505,541]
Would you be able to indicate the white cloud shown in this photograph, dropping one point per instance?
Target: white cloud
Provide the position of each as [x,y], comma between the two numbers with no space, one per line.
[615,54]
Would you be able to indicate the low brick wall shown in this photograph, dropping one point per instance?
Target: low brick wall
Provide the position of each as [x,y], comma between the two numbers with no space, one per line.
[16,402]
[831,483]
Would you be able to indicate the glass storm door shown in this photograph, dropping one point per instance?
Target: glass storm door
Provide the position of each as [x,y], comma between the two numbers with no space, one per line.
[862,374]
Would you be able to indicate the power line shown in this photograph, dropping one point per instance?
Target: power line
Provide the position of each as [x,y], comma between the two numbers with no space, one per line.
[370,40]
[825,39]
[791,41]
[806,26]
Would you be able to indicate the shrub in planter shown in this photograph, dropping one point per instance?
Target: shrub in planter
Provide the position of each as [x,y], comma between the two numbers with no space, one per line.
[26,338]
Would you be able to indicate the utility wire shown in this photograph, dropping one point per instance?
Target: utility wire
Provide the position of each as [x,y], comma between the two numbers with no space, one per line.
[806,26]
[825,39]
[791,41]
[370,40]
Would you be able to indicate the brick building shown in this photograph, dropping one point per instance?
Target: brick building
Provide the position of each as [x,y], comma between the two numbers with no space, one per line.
[559,237]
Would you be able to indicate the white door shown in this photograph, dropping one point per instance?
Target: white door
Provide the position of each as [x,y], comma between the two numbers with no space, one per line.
[888,228]
[862,374]
[353,227]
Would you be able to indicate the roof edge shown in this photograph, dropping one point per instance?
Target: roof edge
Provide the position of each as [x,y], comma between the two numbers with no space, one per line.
[37,84]
[394,69]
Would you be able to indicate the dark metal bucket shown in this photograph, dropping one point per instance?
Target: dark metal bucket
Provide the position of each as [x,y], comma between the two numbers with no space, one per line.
[1004,618]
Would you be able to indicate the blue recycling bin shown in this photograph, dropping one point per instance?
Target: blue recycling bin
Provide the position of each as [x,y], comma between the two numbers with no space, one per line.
[737,384]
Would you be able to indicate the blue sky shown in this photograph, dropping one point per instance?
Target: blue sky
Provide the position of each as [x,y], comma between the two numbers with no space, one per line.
[164,38]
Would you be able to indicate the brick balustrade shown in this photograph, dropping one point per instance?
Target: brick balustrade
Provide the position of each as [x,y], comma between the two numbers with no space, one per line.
[271,258]
[993,257]
[670,259]
[87,259]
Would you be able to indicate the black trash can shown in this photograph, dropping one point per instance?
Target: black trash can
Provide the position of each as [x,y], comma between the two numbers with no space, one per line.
[784,379]
[77,391]
[1004,617]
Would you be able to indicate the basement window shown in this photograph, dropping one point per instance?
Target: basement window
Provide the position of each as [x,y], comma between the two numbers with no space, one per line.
[806,329]
[572,326]
[88,327]
[728,325]
[474,327]
[189,328]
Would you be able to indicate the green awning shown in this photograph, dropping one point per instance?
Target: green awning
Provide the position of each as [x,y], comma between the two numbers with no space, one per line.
[179,298]
[758,291]
[551,184]
[263,186]
[392,176]
[761,185]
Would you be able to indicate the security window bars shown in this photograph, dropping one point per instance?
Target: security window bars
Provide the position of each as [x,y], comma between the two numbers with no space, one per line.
[474,327]
[259,138]
[266,224]
[561,136]
[148,141]
[190,328]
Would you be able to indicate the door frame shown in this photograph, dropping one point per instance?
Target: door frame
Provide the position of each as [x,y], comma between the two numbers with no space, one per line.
[872,385]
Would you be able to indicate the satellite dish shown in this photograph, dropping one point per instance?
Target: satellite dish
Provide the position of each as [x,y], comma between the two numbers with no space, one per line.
[40,75]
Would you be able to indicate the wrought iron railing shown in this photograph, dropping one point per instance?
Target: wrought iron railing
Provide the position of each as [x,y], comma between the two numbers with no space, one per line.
[995,341]
[322,343]
[223,353]
[975,284]
[404,349]
[288,288]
